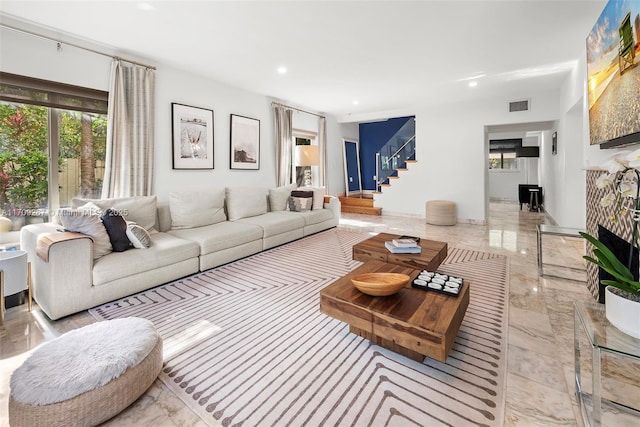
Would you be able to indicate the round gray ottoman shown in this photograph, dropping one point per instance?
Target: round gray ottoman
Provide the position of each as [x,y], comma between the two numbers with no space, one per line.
[87,375]
[441,212]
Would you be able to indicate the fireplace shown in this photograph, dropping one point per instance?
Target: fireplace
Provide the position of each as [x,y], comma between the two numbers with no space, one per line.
[620,230]
[620,248]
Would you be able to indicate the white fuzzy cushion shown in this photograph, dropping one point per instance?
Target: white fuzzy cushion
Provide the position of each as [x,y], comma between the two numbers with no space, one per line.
[82,360]
[191,209]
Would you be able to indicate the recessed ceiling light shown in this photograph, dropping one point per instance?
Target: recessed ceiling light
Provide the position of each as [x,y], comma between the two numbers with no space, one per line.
[473,77]
[355,102]
[145,6]
[282,70]
[473,83]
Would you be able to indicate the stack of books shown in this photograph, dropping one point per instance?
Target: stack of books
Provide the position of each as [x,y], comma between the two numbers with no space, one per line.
[403,246]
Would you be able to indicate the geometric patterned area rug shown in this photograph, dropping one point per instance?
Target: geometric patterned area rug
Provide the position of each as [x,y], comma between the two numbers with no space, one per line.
[246,345]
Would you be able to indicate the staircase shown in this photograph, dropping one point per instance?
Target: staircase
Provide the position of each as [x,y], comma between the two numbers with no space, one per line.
[394,156]
[361,204]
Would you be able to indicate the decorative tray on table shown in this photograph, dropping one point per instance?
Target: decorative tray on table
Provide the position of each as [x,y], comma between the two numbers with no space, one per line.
[438,282]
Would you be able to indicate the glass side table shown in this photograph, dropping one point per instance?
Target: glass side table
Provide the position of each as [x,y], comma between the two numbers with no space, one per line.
[603,337]
[553,230]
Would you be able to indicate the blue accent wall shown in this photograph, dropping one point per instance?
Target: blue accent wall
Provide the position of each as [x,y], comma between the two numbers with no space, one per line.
[373,136]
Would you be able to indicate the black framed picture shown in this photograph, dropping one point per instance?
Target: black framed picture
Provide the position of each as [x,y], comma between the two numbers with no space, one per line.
[245,143]
[554,143]
[192,130]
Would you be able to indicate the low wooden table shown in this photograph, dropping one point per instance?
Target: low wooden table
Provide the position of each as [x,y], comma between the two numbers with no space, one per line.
[432,255]
[412,322]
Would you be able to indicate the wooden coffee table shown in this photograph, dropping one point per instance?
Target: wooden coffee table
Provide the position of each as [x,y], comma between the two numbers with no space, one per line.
[412,322]
[432,255]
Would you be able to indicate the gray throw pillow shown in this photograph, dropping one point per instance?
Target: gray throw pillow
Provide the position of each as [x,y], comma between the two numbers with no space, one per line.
[300,201]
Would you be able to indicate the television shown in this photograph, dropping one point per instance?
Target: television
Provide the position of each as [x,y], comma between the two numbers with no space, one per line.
[613,75]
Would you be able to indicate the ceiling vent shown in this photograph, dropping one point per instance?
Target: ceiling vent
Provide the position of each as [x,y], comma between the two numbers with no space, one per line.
[519,105]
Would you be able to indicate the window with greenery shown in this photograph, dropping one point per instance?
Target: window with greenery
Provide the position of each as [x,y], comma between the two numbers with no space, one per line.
[502,153]
[52,146]
[503,161]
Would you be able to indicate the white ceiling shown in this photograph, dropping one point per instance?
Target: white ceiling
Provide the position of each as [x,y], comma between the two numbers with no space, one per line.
[387,55]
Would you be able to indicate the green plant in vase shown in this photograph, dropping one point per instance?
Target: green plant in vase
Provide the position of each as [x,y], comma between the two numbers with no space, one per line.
[622,294]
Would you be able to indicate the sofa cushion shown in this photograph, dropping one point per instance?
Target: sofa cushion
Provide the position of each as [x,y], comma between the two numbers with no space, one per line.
[164,250]
[245,202]
[274,223]
[223,235]
[116,228]
[140,209]
[86,220]
[311,217]
[279,197]
[197,208]
[318,197]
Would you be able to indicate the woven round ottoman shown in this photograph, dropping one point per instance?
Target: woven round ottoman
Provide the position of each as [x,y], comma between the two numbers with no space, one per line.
[441,212]
[86,376]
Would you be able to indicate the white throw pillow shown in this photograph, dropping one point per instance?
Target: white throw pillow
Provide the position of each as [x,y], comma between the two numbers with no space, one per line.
[279,196]
[197,208]
[138,236]
[86,220]
[318,196]
[244,202]
[141,209]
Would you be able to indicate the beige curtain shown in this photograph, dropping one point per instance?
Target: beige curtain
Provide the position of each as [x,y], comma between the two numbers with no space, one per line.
[284,141]
[130,132]
[322,147]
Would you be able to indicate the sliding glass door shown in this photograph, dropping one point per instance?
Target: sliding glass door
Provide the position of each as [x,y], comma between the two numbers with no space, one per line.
[52,148]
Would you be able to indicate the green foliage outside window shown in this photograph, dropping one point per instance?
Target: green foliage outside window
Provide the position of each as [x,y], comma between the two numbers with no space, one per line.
[24,152]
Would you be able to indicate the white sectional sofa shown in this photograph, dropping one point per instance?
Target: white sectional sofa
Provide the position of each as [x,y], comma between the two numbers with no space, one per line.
[192,232]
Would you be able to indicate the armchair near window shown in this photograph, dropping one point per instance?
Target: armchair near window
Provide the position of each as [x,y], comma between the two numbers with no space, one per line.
[14,276]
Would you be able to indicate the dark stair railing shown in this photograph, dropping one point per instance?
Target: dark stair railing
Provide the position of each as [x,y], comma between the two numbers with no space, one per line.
[395,153]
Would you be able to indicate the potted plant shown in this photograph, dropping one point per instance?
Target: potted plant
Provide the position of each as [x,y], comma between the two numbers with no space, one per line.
[622,295]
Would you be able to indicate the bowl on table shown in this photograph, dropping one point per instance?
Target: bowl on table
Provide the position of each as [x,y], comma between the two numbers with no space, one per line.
[380,284]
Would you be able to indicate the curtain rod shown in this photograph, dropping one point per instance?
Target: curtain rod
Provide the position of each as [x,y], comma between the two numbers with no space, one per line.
[60,43]
[297,109]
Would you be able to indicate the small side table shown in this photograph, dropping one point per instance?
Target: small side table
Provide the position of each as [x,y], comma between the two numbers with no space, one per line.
[603,337]
[554,231]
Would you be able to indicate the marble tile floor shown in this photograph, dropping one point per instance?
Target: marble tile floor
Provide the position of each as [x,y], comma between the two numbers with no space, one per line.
[540,377]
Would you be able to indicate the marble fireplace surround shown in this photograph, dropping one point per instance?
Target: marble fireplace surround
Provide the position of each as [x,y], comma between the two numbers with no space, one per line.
[596,214]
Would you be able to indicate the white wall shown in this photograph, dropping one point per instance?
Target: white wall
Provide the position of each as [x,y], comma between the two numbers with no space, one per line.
[451,152]
[503,184]
[82,68]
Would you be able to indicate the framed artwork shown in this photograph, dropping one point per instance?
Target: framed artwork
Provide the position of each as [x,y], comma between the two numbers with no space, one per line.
[245,143]
[192,130]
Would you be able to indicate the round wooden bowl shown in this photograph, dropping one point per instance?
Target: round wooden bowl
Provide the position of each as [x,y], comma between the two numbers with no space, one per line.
[380,284]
